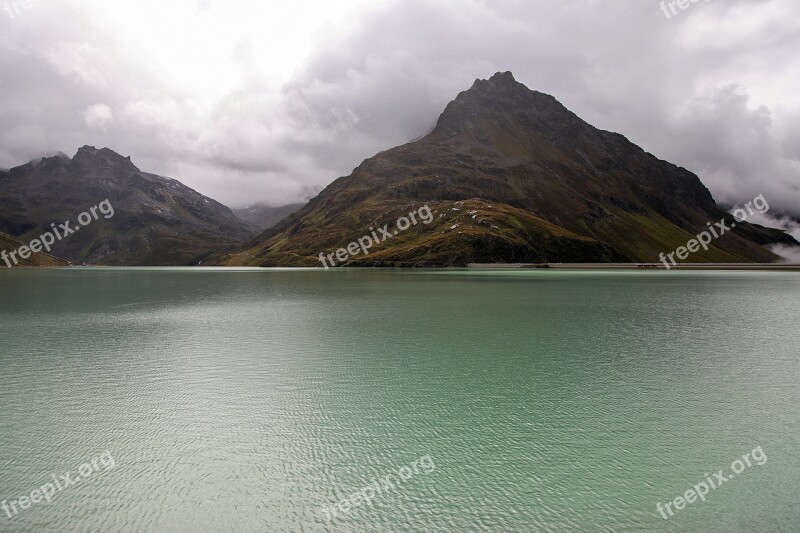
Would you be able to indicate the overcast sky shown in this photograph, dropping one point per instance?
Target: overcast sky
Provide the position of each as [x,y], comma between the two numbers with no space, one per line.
[260,100]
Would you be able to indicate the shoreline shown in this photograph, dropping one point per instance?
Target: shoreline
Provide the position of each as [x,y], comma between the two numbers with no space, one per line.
[764,267]
[636,266]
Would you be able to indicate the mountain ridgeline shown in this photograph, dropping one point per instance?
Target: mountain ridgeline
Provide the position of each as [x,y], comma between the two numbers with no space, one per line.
[156,221]
[511,176]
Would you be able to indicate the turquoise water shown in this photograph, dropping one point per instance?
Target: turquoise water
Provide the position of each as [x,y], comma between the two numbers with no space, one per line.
[255,400]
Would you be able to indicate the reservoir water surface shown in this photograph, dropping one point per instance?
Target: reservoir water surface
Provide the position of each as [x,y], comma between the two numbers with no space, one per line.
[258,400]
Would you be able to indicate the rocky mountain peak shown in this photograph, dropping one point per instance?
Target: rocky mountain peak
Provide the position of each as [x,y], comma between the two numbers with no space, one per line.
[91,157]
[157,220]
[500,102]
[500,82]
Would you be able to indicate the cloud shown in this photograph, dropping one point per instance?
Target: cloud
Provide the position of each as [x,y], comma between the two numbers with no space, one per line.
[790,254]
[266,101]
[98,116]
[737,148]
[788,224]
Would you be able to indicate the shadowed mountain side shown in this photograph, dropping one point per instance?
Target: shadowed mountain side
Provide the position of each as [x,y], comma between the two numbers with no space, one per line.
[156,221]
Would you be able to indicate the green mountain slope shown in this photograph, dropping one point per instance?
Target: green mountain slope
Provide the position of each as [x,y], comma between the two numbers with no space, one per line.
[10,244]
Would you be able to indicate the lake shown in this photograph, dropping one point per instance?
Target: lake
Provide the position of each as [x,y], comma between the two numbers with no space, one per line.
[454,400]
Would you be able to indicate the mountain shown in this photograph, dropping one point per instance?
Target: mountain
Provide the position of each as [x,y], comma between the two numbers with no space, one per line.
[10,244]
[511,175]
[263,216]
[156,220]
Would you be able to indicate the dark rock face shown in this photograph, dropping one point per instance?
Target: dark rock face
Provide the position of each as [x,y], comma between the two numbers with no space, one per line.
[512,126]
[156,221]
[559,190]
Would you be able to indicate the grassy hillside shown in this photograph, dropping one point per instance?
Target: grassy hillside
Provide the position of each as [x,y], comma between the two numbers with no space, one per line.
[10,244]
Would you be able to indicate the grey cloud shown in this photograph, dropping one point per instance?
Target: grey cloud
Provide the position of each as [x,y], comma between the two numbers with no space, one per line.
[790,254]
[786,223]
[685,89]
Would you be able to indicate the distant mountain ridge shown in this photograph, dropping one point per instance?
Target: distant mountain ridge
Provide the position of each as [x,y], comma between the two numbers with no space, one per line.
[157,220]
[512,176]
[264,217]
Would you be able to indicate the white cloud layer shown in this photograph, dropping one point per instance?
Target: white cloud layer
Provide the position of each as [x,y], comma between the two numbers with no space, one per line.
[266,101]
[98,116]
[790,225]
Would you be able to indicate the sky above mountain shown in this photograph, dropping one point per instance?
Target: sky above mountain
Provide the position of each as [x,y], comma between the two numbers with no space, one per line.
[265,101]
